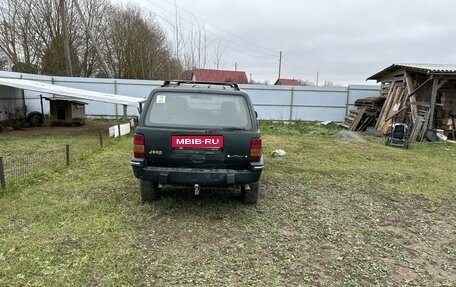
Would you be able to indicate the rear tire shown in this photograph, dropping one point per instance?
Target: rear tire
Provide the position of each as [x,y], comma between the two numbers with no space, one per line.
[149,191]
[251,196]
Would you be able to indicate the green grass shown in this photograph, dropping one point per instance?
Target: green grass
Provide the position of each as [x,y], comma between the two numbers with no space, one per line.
[331,213]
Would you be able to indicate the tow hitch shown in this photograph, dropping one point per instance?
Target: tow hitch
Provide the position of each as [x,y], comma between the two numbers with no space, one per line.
[197,189]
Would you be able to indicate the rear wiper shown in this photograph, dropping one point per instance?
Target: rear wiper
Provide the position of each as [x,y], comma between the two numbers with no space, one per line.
[233,129]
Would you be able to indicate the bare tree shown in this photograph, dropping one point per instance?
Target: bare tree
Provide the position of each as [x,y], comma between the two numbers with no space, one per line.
[132,43]
[17,35]
[136,47]
[4,61]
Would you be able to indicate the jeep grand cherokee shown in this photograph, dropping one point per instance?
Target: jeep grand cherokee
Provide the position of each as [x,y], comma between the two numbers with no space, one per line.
[198,134]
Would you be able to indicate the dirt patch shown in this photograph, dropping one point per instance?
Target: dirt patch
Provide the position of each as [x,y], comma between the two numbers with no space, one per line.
[301,235]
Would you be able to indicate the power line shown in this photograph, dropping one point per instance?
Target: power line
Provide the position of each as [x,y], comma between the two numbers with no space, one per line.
[241,48]
[225,31]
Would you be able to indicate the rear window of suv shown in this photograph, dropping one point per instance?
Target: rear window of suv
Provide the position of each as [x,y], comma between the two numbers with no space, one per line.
[198,111]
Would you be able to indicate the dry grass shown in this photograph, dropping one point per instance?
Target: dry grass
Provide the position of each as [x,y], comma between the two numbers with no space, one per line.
[331,213]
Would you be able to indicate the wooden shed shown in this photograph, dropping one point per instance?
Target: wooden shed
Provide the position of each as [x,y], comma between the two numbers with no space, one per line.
[66,112]
[420,95]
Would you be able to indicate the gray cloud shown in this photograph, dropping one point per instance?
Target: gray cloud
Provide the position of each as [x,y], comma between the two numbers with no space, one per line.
[346,41]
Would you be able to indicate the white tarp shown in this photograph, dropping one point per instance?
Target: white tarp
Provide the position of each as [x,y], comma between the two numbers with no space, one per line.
[71,93]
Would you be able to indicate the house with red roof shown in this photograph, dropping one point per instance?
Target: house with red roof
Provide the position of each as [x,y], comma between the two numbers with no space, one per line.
[287,82]
[210,75]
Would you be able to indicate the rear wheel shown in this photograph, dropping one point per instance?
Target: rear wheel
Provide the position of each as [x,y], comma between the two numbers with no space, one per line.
[148,190]
[251,196]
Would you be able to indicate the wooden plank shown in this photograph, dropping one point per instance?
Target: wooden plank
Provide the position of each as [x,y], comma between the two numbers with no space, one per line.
[424,104]
[442,84]
[435,89]
[424,127]
[355,123]
[419,87]
[386,106]
[395,105]
[412,98]
[396,113]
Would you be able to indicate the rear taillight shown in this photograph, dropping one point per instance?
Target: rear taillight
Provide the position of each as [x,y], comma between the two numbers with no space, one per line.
[255,149]
[138,146]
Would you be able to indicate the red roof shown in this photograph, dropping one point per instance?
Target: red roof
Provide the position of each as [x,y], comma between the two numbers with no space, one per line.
[210,75]
[287,82]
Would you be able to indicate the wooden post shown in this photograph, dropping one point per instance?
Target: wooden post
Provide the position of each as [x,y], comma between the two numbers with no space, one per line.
[101,141]
[41,104]
[412,98]
[67,150]
[435,89]
[2,174]
[125,113]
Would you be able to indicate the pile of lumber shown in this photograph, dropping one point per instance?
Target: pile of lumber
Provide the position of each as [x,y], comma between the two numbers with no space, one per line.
[401,106]
[395,106]
[364,114]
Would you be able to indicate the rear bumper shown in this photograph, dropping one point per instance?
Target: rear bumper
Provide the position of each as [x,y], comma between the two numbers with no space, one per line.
[192,176]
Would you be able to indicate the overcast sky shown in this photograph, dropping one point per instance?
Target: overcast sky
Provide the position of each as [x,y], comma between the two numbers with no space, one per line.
[346,41]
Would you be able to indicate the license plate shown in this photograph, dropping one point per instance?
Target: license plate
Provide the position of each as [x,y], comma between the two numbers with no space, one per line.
[183,141]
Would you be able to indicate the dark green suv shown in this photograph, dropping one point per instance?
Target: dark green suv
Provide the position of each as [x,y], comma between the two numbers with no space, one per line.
[198,134]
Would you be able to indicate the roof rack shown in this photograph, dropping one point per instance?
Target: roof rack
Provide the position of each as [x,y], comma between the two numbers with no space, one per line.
[179,82]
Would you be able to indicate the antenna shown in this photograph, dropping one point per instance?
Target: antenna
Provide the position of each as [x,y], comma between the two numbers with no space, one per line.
[280,63]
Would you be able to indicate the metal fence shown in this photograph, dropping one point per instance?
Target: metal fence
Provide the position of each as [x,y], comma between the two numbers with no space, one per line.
[271,102]
[15,166]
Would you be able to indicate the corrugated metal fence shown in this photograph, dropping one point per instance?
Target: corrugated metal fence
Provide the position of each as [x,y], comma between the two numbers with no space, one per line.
[271,102]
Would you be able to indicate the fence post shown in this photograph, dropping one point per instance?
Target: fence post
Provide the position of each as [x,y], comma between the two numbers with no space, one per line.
[101,141]
[67,154]
[118,127]
[2,174]
[347,101]
[291,103]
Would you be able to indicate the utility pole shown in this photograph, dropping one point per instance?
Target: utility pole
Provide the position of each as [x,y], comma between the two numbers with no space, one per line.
[92,39]
[66,44]
[177,34]
[280,63]
[316,83]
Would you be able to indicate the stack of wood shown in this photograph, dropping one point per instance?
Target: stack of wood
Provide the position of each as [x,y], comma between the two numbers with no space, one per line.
[401,106]
[364,114]
[395,106]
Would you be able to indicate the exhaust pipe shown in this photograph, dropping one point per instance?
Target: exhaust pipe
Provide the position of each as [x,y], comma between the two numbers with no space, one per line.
[246,187]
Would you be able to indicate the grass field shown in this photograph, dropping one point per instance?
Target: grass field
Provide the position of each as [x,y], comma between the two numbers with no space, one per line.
[331,213]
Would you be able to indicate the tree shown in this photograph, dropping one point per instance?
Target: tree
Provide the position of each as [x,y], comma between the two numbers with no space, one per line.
[136,48]
[17,34]
[132,44]
[54,59]
[4,62]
